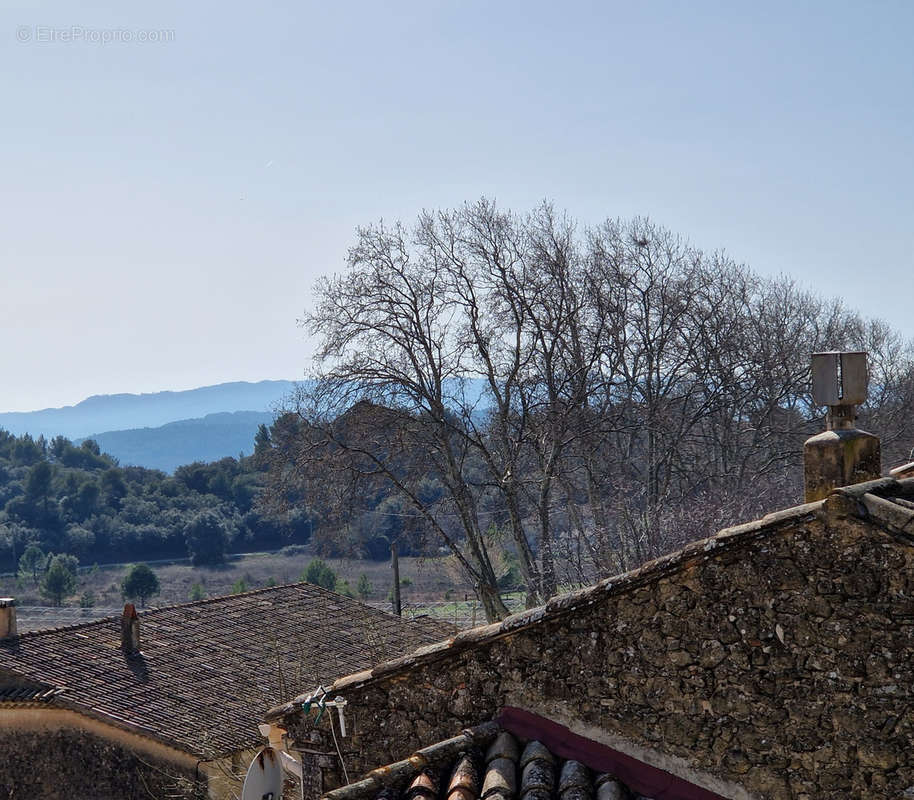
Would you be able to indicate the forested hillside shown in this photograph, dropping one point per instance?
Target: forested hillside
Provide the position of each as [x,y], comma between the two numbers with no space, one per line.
[77,500]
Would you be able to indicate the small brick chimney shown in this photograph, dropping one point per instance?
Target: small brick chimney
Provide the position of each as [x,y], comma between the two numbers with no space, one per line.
[130,630]
[842,455]
[8,617]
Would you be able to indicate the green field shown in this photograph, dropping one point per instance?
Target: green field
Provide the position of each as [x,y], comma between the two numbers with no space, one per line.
[422,580]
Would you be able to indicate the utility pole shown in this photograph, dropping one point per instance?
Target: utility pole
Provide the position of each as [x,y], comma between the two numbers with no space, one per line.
[395,565]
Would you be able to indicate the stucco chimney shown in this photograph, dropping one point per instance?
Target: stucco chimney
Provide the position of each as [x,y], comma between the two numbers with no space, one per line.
[8,617]
[130,630]
[842,455]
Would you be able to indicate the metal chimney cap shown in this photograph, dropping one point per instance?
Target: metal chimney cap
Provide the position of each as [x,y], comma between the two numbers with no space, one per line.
[839,378]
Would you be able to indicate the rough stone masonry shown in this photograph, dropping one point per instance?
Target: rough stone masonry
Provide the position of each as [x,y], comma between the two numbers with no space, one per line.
[776,659]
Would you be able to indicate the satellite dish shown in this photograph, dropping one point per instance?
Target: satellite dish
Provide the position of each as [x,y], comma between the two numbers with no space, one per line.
[264,778]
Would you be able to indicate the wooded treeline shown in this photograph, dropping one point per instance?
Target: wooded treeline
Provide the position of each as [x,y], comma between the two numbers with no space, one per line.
[572,399]
[77,500]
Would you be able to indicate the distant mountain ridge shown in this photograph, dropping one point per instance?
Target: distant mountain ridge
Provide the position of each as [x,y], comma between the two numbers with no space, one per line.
[163,430]
[184,441]
[122,412]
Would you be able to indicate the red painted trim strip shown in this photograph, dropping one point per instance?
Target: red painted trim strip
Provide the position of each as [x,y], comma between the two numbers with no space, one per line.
[649,781]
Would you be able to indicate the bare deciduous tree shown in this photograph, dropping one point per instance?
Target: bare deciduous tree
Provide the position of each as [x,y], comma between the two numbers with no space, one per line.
[602,394]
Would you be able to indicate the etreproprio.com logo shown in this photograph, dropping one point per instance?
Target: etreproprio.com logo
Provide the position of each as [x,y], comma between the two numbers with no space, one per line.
[76,34]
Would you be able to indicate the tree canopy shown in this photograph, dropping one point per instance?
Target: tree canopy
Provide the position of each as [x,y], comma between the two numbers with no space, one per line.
[207,538]
[59,581]
[140,583]
[32,562]
[601,394]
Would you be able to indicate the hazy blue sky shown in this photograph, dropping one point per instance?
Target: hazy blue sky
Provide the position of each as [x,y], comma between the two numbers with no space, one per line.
[166,205]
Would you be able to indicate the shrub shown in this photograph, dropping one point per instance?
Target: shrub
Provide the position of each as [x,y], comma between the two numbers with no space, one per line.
[320,574]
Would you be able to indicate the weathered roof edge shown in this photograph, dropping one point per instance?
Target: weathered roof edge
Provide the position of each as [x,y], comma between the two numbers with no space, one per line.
[39,696]
[867,501]
[57,699]
[563,604]
[399,771]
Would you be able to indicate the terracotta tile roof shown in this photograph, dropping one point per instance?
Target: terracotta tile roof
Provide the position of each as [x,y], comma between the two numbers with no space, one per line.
[486,762]
[207,670]
[520,756]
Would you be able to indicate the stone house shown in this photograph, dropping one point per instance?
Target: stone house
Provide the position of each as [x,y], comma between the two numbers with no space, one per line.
[772,660]
[165,702]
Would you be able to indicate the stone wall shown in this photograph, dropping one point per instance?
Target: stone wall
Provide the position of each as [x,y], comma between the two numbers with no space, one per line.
[777,657]
[70,764]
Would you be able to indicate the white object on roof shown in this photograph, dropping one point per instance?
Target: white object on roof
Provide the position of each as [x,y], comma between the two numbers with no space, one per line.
[264,778]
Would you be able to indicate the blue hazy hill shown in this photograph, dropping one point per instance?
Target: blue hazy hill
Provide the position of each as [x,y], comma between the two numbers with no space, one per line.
[169,446]
[118,412]
[163,430]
